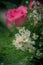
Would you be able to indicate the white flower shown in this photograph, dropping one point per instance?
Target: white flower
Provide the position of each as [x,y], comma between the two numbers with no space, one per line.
[22,40]
[34,36]
[38,54]
[34,11]
[38,2]
[42,32]
[31,49]
[26,2]
[35,15]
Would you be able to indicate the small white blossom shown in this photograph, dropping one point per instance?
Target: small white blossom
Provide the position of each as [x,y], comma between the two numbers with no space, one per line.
[39,54]
[42,32]
[26,2]
[35,15]
[31,49]
[40,37]
[35,36]
[38,3]
[22,40]
[34,11]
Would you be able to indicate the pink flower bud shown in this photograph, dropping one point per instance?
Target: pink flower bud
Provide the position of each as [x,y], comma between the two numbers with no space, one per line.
[31,5]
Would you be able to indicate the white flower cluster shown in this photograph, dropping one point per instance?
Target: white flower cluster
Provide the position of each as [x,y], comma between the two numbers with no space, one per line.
[39,54]
[35,15]
[23,41]
[35,36]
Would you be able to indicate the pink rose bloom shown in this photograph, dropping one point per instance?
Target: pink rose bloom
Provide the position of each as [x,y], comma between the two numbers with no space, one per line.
[16,16]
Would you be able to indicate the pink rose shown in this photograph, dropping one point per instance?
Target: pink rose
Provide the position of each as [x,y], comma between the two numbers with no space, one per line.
[16,16]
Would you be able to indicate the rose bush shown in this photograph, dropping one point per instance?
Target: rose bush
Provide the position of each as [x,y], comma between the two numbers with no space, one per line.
[16,16]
